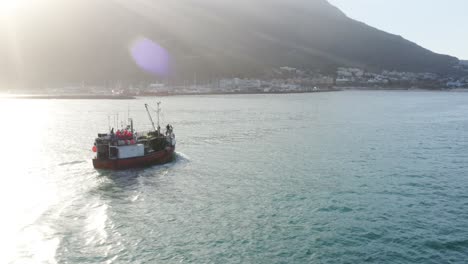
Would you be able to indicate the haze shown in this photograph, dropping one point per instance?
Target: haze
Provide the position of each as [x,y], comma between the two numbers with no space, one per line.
[46,42]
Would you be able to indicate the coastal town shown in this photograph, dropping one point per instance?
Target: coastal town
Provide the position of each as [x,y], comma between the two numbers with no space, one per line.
[280,80]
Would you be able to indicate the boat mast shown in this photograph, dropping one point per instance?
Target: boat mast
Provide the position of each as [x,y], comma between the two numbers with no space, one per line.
[159,111]
[149,115]
[130,119]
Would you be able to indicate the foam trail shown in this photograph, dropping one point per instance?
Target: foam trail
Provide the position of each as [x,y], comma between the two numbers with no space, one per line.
[181,157]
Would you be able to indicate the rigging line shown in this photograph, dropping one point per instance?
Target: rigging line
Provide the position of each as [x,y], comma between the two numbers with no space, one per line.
[163,117]
[155,111]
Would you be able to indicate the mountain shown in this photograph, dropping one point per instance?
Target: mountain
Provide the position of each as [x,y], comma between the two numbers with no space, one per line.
[59,41]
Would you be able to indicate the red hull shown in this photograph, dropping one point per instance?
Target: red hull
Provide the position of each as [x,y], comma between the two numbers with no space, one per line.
[160,157]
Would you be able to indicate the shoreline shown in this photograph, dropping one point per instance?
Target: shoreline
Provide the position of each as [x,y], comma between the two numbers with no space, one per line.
[241,93]
[67,97]
[132,97]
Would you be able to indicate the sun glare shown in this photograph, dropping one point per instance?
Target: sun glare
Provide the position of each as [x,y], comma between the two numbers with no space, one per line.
[10,7]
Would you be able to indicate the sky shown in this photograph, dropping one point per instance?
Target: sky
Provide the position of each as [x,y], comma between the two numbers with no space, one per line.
[438,25]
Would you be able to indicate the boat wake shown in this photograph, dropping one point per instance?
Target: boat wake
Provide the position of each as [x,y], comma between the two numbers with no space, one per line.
[72,162]
[181,157]
[130,177]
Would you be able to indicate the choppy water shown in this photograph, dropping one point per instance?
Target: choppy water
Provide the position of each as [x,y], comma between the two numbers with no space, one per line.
[348,177]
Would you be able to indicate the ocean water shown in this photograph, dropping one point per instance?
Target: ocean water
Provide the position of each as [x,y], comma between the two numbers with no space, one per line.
[345,177]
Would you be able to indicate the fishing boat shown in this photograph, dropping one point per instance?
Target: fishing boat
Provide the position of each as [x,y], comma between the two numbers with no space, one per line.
[127,148]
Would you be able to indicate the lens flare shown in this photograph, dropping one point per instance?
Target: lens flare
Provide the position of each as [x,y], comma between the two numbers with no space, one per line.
[9,8]
[150,56]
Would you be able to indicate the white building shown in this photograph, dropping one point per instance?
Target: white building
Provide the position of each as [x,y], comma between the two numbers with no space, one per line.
[455,84]
[157,87]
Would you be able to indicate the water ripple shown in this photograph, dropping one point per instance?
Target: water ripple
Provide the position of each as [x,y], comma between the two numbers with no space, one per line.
[372,177]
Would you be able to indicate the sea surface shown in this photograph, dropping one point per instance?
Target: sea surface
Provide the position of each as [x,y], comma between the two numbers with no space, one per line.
[342,177]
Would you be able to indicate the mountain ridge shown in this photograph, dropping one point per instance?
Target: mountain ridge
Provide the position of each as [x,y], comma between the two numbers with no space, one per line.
[90,41]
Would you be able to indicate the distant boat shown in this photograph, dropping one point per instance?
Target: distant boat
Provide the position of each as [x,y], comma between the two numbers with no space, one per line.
[127,148]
